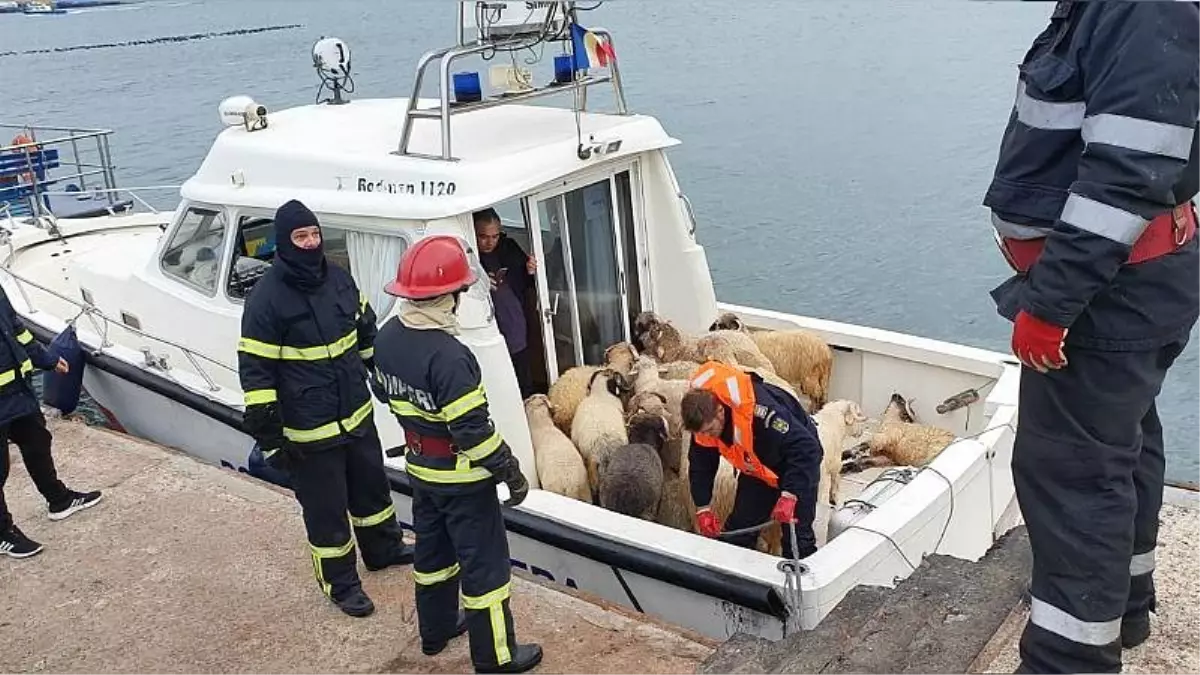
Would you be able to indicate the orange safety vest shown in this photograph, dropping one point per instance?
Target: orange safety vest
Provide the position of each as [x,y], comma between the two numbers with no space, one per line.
[734,388]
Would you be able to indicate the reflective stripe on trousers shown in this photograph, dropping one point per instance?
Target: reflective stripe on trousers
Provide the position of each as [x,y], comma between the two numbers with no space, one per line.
[493,604]
[322,553]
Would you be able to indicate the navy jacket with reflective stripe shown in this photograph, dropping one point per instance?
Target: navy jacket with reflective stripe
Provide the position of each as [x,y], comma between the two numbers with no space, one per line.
[1102,138]
[18,348]
[304,353]
[785,440]
[433,384]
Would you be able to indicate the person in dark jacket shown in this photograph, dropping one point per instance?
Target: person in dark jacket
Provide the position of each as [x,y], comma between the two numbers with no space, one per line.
[454,458]
[766,435]
[512,273]
[1091,203]
[307,335]
[22,422]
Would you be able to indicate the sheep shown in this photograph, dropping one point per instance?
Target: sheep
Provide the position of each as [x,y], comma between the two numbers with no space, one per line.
[898,441]
[798,356]
[735,348]
[631,476]
[665,343]
[836,421]
[560,467]
[654,403]
[678,370]
[599,423]
[571,387]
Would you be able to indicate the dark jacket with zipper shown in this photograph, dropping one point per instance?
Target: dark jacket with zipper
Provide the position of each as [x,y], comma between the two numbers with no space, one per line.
[20,353]
[1102,139]
[433,384]
[305,348]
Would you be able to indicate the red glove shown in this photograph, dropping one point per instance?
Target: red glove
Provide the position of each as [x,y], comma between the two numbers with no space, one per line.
[707,523]
[1039,345]
[785,508]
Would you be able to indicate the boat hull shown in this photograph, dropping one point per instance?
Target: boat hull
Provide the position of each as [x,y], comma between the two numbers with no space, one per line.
[707,601]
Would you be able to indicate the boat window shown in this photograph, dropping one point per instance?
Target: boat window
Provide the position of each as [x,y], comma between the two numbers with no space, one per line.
[195,251]
[370,258]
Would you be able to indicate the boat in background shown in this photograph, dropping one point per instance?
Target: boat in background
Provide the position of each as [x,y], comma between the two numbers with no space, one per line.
[157,298]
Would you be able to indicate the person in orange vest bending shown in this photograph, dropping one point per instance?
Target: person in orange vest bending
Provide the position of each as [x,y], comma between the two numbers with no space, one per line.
[772,442]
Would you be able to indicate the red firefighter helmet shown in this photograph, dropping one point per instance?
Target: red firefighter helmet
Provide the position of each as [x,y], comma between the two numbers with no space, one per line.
[433,266]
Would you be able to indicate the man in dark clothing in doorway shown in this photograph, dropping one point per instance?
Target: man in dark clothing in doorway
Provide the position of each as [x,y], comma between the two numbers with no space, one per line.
[512,272]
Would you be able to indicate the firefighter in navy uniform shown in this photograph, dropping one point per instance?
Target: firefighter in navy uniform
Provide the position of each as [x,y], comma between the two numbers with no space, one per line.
[766,435]
[1091,206]
[454,458]
[303,356]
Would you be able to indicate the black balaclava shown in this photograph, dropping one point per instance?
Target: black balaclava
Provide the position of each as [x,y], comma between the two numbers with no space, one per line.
[302,268]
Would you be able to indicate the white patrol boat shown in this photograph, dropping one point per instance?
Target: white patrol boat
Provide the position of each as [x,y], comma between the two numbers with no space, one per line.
[156,298]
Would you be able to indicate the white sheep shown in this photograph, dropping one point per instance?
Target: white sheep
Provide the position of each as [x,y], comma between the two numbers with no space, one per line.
[560,467]
[598,426]
[836,421]
[571,387]
[898,441]
[798,356]
[631,476]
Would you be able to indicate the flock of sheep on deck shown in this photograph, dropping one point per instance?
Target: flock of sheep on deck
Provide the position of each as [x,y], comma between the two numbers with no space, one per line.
[611,435]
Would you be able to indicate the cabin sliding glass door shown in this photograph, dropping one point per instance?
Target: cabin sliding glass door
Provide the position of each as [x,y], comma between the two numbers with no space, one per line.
[589,265]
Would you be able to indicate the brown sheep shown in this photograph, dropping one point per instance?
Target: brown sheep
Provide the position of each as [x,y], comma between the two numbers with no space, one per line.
[898,441]
[799,356]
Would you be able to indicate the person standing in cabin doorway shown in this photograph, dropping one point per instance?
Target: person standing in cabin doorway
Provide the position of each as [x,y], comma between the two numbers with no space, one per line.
[454,459]
[22,422]
[303,358]
[512,273]
[1092,207]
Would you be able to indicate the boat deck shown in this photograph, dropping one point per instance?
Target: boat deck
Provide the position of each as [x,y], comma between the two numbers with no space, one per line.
[186,567]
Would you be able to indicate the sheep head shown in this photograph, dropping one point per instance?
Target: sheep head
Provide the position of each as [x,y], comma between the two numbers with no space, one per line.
[848,413]
[898,410]
[727,321]
[648,428]
[621,357]
[641,325]
[539,405]
[612,381]
[647,402]
[663,341]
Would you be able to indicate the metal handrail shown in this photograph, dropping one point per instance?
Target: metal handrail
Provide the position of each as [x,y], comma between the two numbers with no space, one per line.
[444,112]
[130,191]
[90,310]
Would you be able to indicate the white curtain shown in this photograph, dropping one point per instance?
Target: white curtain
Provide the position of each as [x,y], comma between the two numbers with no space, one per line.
[373,262]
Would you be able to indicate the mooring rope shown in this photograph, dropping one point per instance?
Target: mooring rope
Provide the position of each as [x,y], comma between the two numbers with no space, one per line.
[154,41]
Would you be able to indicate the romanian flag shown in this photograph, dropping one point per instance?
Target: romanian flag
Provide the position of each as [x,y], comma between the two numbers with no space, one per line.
[590,49]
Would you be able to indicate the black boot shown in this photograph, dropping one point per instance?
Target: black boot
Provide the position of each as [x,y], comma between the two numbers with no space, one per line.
[524,657]
[1135,629]
[356,604]
[435,648]
[401,555]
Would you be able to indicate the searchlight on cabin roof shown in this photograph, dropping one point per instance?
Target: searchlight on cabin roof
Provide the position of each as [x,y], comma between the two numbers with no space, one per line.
[243,110]
[331,58]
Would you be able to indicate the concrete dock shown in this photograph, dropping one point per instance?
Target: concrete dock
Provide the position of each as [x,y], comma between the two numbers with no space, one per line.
[186,567]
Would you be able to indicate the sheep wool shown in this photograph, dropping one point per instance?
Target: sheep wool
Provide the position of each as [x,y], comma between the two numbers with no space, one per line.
[560,467]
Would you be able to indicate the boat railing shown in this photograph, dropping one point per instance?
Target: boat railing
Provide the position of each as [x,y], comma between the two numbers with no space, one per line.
[101,323]
[38,158]
[446,56]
